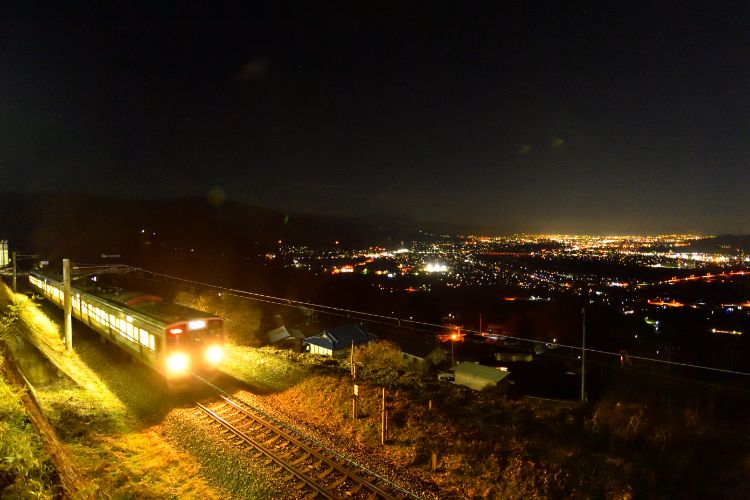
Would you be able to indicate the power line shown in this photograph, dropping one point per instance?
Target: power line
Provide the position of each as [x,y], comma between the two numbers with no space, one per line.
[391,320]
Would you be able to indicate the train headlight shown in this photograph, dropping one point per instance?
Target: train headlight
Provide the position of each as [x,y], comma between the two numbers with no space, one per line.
[178,363]
[214,354]
[197,324]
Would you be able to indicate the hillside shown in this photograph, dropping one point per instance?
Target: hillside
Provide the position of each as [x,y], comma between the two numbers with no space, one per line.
[87,226]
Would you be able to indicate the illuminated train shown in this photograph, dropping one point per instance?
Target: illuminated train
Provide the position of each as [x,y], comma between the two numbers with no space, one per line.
[169,338]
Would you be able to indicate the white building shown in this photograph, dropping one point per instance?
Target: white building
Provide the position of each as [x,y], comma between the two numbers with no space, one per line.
[478,377]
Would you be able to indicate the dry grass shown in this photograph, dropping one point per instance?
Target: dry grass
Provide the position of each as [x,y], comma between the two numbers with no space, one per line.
[490,447]
[118,456]
[139,465]
[26,470]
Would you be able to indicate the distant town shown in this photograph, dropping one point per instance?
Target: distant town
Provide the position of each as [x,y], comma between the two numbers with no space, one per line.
[535,263]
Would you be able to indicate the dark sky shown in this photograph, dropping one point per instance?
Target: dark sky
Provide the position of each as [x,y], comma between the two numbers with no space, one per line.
[520,117]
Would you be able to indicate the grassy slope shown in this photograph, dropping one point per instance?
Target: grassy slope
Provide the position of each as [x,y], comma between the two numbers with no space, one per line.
[490,447]
[117,452]
[25,467]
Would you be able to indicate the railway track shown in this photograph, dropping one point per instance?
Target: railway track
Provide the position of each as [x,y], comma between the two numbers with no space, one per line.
[311,470]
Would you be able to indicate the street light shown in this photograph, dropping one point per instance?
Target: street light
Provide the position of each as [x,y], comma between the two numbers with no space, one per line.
[454,336]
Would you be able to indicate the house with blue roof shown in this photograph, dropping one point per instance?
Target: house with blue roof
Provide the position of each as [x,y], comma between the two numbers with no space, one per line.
[337,342]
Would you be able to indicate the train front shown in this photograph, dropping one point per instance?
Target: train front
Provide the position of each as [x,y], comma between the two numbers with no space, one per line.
[194,346]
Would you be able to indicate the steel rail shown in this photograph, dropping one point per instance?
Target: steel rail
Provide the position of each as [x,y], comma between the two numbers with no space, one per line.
[312,442]
[312,450]
[258,446]
[302,452]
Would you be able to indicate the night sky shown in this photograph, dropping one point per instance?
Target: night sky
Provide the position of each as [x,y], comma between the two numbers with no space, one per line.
[551,117]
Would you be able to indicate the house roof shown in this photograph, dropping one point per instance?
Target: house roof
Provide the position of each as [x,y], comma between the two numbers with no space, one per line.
[282,333]
[481,371]
[278,334]
[296,333]
[417,347]
[341,337]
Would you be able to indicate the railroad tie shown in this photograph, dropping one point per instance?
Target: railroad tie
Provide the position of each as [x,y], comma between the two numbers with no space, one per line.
[355,490]
[325,473]
[339,481]
[302,458]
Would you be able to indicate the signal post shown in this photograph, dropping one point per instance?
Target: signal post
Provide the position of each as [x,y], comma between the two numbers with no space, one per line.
[67,307]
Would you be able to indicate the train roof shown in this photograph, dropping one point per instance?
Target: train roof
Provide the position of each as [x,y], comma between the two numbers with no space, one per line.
[139,302]
[149,305]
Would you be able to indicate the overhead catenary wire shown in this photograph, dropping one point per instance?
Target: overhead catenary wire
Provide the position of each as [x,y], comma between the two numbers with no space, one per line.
[390,320]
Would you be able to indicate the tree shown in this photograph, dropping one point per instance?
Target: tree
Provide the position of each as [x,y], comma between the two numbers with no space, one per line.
[9,318]
[380,355]
[242,318]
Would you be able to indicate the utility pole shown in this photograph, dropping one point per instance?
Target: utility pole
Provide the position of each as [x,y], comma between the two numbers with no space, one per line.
[14,272]
[355,387]
[583,358]
[67,301]
[480,323]
[383,420]
[454,336]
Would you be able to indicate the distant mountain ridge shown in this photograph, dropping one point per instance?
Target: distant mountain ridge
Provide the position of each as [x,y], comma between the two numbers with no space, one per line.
[88,225]
[725,243]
